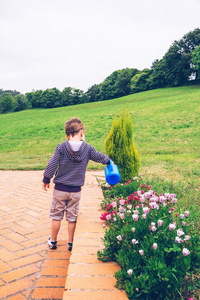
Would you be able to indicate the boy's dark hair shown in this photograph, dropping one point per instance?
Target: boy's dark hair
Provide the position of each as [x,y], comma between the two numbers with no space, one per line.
[73,126]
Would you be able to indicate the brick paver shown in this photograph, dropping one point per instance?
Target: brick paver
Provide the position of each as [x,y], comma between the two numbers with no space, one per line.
[28,269]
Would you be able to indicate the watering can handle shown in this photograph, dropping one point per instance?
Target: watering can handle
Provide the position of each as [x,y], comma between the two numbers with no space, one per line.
[111,165]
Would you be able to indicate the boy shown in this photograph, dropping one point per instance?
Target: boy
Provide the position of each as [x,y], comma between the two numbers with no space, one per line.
[69,163]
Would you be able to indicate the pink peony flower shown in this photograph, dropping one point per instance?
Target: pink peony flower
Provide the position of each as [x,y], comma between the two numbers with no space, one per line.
[183,223]
[135,212]
[177,239]
[140,174]
[160,222]
[135,178]
[103,216]
[108,217]
[122,216]
[134,241]
[155,246]
[180,232]
[119,237]
[167,196]
[181,216]
[114,204]
[154,199]
[130,271]
[187,213]
[187,237]
[141,252]
[174,200]
[135,217]
[172,227]
[173,195]
[153,205]
[153,228]
[121,209]
[146,210]
[186,252]
[162,199]
[121,202]
[133,229]
[139,193]
[147,195]
[142,198]
[144,216]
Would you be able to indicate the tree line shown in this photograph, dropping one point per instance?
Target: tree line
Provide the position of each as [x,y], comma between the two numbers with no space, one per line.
[178,66]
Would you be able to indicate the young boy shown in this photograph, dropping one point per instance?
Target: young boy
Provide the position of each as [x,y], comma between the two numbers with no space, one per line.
[68,164]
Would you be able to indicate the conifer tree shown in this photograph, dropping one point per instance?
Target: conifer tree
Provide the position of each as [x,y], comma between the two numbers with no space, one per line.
[120,147]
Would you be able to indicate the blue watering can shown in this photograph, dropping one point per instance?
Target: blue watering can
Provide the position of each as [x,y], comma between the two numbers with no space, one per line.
[112,174]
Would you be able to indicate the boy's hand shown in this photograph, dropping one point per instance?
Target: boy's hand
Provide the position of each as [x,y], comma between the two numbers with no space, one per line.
[45,186]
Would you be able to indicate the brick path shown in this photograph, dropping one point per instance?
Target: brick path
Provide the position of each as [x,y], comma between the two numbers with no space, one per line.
[28,269]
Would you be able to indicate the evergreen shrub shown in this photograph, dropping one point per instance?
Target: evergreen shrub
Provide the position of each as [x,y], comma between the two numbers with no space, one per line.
[120,147]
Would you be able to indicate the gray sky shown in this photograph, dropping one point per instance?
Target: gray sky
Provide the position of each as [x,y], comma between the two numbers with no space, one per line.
[77,43]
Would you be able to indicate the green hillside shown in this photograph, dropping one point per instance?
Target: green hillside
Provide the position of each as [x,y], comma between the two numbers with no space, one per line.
[166,132]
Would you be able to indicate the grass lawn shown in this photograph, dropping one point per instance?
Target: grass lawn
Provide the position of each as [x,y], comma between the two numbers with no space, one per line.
[166,133]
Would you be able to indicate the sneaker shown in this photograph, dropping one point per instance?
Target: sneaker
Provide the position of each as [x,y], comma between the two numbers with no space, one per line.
[69,246]
[52,245]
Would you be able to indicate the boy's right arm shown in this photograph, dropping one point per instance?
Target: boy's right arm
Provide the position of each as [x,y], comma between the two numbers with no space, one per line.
[45,186]
[51,167]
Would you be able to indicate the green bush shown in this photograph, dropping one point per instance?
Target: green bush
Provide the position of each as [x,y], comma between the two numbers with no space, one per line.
[120,148]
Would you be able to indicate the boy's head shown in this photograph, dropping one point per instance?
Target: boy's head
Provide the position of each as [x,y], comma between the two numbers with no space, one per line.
[73,127]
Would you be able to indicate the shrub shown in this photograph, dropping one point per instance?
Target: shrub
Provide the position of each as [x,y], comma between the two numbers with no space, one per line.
[120,148]
[155,243]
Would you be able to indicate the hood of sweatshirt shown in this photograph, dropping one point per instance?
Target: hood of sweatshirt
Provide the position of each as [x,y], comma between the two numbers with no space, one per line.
[76,155]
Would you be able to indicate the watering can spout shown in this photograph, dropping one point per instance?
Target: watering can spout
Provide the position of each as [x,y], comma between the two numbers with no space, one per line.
[112,174]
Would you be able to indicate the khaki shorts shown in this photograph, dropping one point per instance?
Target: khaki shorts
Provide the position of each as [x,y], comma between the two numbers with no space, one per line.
[65,201]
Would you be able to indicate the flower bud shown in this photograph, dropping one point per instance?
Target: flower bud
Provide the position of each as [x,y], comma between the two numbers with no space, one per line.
[119,237]
[130,271]
[134,241]
[141,252]
[160,222]
[187,213]
[155,246]
[186,252]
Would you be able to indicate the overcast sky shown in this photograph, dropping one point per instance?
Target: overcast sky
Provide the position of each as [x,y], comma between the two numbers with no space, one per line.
[78,43]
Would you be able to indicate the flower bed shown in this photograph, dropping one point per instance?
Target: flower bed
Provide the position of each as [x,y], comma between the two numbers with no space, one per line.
[155,243]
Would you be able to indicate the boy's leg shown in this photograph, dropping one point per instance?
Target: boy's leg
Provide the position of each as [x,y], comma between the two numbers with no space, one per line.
[55,227]
[71,230]
[72,210]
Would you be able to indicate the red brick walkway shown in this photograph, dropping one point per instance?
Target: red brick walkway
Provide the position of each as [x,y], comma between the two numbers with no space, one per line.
[28,269]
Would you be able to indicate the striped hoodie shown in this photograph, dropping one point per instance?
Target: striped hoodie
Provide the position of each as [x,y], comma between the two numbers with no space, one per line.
[69,166]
